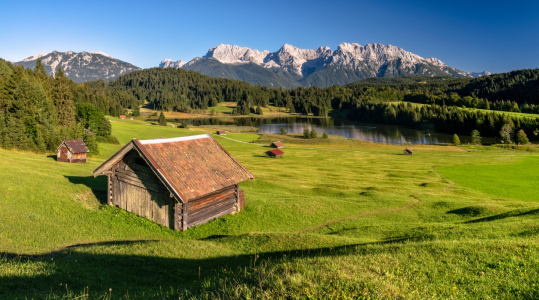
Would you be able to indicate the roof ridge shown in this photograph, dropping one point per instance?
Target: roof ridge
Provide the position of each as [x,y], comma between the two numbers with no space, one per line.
[176,139]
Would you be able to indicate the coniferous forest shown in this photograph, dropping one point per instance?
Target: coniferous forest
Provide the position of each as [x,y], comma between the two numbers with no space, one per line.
[38,111]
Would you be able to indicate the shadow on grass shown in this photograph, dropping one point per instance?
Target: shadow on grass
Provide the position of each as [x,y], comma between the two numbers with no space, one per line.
[55,157]
[135,274]
[98,185]
[513,213]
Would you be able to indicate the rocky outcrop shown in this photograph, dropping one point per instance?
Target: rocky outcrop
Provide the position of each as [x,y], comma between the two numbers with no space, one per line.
[169,63]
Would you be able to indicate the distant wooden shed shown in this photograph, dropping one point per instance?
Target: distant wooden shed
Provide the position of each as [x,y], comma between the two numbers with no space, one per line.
[277,145]
[408,151]
[122,117]
[221,132]
[274,153]
[72,151]
[177,182]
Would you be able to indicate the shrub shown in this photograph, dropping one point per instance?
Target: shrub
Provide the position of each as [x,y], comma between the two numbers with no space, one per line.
[314,134]
[283,131]
[522,138]
[325,135]
[456,140]
[306,133]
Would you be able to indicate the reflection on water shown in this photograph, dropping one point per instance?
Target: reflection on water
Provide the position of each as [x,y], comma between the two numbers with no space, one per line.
[377,133]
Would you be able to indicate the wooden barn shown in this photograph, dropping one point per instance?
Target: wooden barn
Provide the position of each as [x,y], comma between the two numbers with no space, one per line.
[122,117]
[72,151]
[220,132]
[177,182]
[277,145]
[408,151]
[274,153]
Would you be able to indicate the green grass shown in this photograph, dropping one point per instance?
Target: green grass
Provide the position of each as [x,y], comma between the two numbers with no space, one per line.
[361,221]
[519,178]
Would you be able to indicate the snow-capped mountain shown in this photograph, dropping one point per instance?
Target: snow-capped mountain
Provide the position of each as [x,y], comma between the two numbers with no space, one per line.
[169,63]
[81,66]
[322,66]
[479,74]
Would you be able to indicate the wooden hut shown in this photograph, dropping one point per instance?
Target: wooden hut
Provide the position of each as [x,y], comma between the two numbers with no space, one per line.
[177,182]
[408,151]
[274,153]
[72,151]
[122,117]
[221,132]
[277,145]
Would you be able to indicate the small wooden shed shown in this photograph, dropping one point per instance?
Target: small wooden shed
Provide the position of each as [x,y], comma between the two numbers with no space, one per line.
[72,151]
[408,151]
[274,153]
[221,132]
[177,182]
[277,145]
[122,117]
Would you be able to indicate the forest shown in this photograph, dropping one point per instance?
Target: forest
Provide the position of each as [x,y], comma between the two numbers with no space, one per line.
[38,111]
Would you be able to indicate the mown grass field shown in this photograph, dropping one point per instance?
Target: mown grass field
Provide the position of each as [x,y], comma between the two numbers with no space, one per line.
[360,221]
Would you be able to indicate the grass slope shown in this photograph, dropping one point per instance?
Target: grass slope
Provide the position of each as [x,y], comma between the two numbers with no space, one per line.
[324,224]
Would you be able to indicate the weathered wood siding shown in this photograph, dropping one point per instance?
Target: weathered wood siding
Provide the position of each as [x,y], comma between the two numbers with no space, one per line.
[64,155]
[206,208]
[136,189]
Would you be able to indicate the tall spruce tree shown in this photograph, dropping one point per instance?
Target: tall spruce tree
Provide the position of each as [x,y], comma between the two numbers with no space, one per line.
[162,119]
[61,95]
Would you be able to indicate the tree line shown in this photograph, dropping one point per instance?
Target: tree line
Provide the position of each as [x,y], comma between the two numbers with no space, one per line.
[38,111]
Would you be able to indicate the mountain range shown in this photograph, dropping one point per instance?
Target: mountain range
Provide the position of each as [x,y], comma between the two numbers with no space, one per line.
[290,67]
[81,66]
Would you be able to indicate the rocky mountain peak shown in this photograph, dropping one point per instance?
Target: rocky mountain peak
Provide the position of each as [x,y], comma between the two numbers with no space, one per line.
[81,66]
[169,63]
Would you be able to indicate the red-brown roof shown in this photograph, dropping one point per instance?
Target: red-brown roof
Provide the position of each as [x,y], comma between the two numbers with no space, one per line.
[276,151]
[191,166]
[409,150]
[75,146]
[122,117]
[278,144]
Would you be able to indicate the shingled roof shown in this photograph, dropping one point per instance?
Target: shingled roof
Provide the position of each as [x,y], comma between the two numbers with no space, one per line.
[190,167]
[75,146]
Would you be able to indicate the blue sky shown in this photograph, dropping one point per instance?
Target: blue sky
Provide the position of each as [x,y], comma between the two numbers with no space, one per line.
[469,35]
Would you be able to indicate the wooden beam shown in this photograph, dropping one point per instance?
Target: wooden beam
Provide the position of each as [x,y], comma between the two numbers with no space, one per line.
[185,217]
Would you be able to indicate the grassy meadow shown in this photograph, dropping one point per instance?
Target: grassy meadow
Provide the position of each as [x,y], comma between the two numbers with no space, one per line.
[332,219]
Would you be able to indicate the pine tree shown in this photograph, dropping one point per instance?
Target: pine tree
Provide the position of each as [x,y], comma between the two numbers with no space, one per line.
[162,119]
[476,137]
[61,96]
[325,135]
[456,140]
[283,131]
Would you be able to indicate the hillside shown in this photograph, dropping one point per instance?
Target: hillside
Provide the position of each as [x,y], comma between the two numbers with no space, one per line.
[249,72]
[384,226]
[82,66]
[520,86]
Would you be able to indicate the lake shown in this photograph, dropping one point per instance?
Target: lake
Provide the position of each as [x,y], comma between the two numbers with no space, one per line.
[389,134]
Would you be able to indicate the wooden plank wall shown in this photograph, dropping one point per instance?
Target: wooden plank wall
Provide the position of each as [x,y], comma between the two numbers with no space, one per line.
[204,209]
[136,189]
